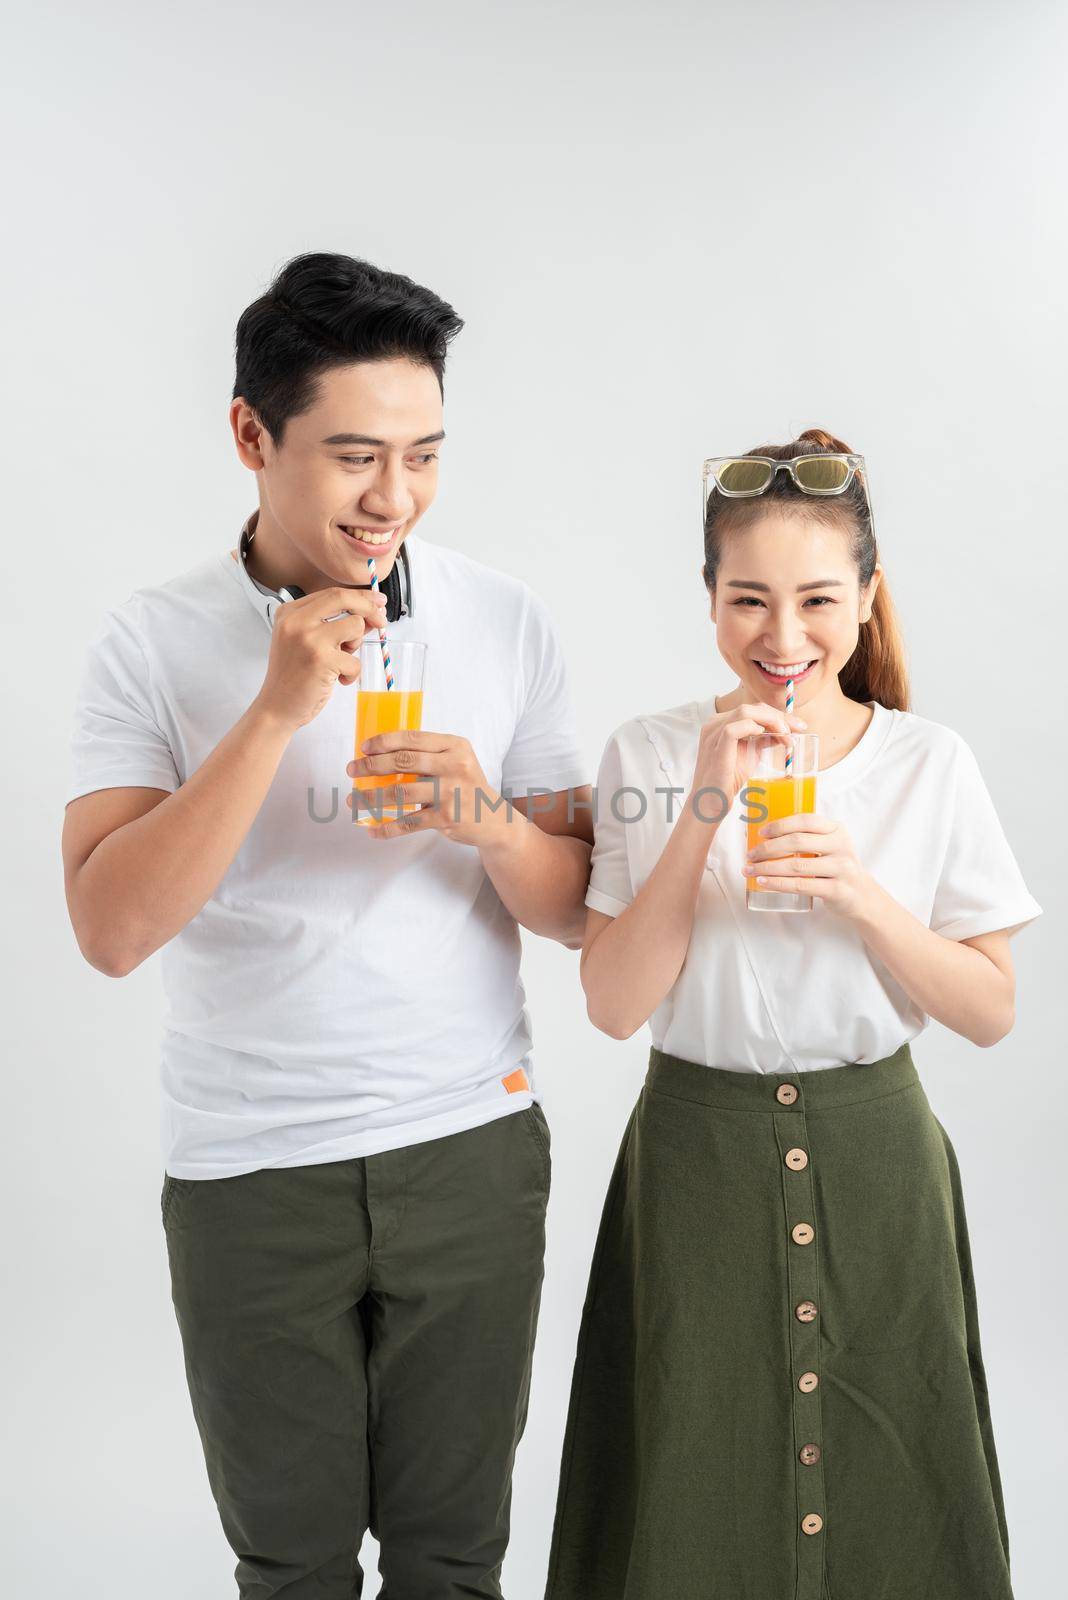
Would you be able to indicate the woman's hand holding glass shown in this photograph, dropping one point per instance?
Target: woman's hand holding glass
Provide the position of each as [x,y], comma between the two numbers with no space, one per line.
[721,751]
[837,877]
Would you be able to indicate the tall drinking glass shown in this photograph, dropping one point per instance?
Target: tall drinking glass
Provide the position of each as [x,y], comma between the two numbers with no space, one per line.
[772,791]
[380,709]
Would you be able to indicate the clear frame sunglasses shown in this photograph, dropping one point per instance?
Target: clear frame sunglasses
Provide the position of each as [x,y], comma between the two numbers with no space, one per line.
[742,477]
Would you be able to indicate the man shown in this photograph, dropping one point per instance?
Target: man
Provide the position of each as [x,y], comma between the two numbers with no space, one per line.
[357,1165]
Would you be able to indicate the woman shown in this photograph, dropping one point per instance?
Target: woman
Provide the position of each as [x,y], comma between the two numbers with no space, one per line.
[779,1390]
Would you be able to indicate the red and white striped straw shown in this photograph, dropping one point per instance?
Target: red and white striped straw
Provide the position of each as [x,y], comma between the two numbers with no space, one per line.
[789,708]
[386,663]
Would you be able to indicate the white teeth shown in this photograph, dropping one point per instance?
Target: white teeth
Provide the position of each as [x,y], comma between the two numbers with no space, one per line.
[785,672]
[370,538]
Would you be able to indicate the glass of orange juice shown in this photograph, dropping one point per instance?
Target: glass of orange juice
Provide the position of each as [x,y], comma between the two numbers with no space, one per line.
[774,790]
[381,709]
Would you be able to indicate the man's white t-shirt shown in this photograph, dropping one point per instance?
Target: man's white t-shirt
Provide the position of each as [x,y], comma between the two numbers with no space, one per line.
[774,991]
[337,995]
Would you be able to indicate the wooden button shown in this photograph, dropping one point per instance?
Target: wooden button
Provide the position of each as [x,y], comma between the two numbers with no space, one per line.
[806,1311]
[811,1523]
[810,1454]
[807,1382]
[786,1094]
[797,1160]
[802,1234]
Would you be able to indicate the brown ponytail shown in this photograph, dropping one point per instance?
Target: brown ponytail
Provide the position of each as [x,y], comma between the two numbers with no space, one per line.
[877,668]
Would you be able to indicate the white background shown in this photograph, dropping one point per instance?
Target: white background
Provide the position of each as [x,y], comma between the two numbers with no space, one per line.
[674,231]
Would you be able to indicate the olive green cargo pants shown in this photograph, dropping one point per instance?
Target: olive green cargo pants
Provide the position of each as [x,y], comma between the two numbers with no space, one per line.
[358,1338]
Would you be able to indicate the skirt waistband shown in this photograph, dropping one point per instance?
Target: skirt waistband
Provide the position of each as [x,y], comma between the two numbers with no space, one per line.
[763,1091]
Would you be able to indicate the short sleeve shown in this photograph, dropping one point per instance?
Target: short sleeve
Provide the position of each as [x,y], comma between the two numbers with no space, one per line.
[610,889]
[980,887]
[545,751]
[117,740]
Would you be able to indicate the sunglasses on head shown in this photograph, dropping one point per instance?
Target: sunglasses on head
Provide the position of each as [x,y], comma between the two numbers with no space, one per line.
[740,477]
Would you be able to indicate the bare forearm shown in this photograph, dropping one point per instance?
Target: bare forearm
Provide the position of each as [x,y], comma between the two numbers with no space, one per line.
[633,963]
[540,877]
[144,882]
[958,986]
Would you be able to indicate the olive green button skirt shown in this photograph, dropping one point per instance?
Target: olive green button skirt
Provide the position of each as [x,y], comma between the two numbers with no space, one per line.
[779,1391]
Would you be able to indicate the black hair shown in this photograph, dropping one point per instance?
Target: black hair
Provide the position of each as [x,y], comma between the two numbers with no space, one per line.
[324,311]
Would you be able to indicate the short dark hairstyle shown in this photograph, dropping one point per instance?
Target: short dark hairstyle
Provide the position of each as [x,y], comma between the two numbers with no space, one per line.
[324,311]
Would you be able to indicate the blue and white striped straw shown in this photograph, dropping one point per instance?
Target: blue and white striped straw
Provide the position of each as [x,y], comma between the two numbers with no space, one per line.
[789,708]
[386,663]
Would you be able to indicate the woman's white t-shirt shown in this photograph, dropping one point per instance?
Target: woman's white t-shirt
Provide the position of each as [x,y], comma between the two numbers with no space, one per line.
[336,995]
[769,991]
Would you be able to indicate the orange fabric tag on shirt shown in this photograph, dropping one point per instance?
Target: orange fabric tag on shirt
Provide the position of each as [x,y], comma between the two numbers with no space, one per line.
[516,1081]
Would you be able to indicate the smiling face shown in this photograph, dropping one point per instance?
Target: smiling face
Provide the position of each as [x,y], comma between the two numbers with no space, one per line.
[788,596]
[353,474]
